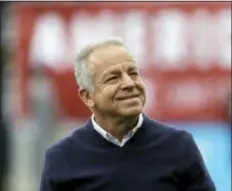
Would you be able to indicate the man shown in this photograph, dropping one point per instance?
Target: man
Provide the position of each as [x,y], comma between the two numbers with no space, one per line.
[120,148]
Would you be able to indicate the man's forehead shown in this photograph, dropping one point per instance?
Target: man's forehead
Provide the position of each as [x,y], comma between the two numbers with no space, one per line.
[119,67]
[110,55]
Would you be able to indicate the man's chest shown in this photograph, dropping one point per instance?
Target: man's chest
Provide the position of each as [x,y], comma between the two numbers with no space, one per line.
[122,175]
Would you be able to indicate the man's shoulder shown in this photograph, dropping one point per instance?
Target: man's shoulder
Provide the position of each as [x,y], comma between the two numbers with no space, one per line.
[157,126]
[171,138]
[162,129]
[67,143]
[64,152]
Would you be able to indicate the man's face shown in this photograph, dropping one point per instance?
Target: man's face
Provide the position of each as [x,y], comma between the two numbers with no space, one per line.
[119,89]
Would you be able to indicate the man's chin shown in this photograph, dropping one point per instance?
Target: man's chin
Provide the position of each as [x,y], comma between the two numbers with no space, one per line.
[129,112]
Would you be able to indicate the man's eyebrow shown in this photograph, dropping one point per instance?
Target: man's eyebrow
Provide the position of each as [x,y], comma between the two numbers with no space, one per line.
[110,72]
[132,68]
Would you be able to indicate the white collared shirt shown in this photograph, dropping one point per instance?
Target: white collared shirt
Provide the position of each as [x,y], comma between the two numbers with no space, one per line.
[111,138]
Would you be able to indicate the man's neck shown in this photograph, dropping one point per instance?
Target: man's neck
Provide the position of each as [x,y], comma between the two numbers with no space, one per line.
[116,126]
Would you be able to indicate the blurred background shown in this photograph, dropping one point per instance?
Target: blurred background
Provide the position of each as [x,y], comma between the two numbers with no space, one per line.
[183,51]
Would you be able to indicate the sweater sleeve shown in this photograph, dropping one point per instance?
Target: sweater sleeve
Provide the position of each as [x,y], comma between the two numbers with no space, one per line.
[194,175]
[46,181]
[46,184]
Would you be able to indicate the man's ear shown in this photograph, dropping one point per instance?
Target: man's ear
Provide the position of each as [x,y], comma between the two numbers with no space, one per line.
[86,97]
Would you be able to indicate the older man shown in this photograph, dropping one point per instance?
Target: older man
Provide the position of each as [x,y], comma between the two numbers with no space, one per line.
[119,148]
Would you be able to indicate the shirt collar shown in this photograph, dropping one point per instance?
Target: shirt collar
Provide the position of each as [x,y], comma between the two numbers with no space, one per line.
[111,138]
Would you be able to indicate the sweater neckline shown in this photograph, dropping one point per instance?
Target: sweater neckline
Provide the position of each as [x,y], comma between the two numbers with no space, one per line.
[92,139]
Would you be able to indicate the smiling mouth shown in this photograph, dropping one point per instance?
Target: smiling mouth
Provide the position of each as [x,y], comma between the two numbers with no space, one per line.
[128,97]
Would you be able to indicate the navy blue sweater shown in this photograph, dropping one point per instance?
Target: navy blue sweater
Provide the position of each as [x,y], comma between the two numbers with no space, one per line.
[157,158]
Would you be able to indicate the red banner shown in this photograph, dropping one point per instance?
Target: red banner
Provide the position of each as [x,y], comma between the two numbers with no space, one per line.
[182,49]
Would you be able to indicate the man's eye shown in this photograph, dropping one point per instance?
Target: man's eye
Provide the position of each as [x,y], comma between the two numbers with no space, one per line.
[134,73]
[111,79]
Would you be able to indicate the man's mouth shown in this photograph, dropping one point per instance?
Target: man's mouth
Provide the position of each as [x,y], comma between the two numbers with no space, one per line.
[128,97]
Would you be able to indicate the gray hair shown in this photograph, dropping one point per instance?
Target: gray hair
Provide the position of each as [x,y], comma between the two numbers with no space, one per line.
[83,74]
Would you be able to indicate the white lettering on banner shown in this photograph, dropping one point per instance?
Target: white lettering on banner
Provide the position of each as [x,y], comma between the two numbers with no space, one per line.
[223,36]
[48,46]
[207,38]
[211,39]
[178,38]
[202,39]
[189,94]
[170,39]
[87,28]
[80,25]
[134,35]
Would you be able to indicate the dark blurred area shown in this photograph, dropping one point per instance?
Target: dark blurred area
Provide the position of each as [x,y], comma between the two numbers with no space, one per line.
[4,134]
[183,50]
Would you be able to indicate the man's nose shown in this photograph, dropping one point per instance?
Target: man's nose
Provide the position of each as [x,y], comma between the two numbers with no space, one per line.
[127,83]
